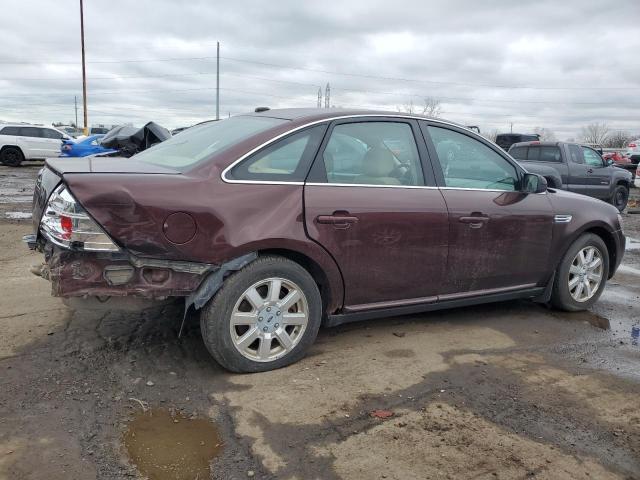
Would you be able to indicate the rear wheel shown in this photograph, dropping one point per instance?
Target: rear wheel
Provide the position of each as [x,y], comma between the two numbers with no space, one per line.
[11,156]
[620,197]
[582,274]
[264,317]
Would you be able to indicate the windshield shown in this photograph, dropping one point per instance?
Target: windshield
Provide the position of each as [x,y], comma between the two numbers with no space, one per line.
[199,142]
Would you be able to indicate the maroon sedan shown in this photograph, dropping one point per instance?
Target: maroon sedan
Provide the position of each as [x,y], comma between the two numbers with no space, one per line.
[273,223]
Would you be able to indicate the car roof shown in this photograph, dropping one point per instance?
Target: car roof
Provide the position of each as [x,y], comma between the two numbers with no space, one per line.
[537,143]
[303,115]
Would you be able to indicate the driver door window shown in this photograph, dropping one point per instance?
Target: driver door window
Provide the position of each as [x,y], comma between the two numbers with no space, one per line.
[592,158]
[468,163]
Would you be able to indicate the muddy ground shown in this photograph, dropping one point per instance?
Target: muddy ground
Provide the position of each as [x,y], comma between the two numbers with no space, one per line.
[510,390]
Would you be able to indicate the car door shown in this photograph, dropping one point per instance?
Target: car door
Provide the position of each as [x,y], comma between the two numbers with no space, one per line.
[53,142]
[34,141]
[373,206]
[499,237]
[598,174]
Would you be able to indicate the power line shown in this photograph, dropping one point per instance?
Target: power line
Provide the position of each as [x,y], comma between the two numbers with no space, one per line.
[317,70]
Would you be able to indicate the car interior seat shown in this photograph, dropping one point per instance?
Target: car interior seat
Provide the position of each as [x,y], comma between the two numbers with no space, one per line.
[377,166]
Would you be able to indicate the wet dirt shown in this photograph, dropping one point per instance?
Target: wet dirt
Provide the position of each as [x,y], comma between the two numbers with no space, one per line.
[591,318]
[510,390]
[171,446]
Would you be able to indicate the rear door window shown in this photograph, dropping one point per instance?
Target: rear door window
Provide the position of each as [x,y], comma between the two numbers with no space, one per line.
[575,154]
[550,154]
[534,153]
[373,153]
[34,132]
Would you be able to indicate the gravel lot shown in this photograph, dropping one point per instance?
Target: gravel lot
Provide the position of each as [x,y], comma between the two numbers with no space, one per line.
[510,390]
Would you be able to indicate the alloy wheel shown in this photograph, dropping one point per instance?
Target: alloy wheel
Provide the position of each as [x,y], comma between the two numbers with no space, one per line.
[269,319]
[585,274]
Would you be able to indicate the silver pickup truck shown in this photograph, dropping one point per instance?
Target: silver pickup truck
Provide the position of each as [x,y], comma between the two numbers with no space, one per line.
[577,168]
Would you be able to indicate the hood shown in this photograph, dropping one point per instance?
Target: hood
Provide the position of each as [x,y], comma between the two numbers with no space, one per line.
[105,165]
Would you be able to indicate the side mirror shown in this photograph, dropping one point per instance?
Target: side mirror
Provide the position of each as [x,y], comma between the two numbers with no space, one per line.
[609,162]
[66,137]
[534,183]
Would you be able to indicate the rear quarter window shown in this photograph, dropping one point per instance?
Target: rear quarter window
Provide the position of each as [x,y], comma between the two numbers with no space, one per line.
[9,131]
[519,152]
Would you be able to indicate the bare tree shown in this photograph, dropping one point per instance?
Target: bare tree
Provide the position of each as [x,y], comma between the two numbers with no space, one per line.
[546,135]
[595,133]
[618,139]
[431,107]
[492,135]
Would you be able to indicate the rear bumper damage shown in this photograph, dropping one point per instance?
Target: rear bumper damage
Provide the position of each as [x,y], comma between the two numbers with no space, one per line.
[100,275]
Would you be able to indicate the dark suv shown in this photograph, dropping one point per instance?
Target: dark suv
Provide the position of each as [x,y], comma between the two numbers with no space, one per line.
[273,223]
[505,140]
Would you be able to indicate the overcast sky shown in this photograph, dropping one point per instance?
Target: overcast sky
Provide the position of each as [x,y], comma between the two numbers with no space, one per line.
[552,64]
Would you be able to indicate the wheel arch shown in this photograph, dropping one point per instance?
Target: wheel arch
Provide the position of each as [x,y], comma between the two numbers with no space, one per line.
[332,295]
[4,147]
[601,231]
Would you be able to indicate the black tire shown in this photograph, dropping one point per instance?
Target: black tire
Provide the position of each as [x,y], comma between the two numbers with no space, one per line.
[216,314]
[11,156]
[620,197]
[561,296]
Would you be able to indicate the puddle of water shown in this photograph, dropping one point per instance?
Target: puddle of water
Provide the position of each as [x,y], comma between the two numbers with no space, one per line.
[164,446]
[18,215]
[587,316]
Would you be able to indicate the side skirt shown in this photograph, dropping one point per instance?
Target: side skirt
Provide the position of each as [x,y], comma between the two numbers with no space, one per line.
[340,318]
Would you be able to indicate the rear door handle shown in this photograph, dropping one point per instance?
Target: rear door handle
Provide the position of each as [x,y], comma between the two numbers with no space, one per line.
[339,221]
[590,170]
[474,221]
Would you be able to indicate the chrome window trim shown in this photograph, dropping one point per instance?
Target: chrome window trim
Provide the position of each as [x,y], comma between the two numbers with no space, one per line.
[368,185]
[223,175]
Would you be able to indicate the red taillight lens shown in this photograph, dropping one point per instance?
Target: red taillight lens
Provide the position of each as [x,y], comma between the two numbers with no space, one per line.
[632,145]
[67,226]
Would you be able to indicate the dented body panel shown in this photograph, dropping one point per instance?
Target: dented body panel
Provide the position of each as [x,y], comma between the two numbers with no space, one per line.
[177,228]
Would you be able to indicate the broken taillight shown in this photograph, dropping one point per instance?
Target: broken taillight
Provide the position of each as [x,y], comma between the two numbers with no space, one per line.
[68,225]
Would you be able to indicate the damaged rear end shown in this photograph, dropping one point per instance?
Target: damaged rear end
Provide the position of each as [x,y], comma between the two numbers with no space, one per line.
[89,267]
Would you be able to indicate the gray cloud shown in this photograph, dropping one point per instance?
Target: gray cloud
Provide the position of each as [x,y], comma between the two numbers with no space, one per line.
[545,63]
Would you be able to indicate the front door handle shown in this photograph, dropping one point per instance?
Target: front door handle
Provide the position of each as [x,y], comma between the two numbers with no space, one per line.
[339,220]
[590,170]
[474,221]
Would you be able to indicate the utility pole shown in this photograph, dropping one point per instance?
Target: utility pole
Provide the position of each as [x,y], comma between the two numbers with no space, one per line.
[84,71]
[511,127]
[75,104]
[217,80]
[327,96]
[319,97]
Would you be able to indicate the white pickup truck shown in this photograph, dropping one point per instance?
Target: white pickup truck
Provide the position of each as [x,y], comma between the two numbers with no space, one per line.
[19,142]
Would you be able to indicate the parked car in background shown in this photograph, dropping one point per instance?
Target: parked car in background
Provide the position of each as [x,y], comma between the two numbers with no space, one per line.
[633,151]
[273,223]
[618,158]
[576,168]
[19,142]
[505,140]
[87,146]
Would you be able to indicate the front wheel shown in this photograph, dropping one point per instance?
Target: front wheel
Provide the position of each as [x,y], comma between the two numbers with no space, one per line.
[620,197]
[264,317]
[581,275]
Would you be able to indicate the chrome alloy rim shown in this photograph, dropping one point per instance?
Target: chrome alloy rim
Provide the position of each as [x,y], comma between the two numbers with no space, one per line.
[585,274]
[269,319]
